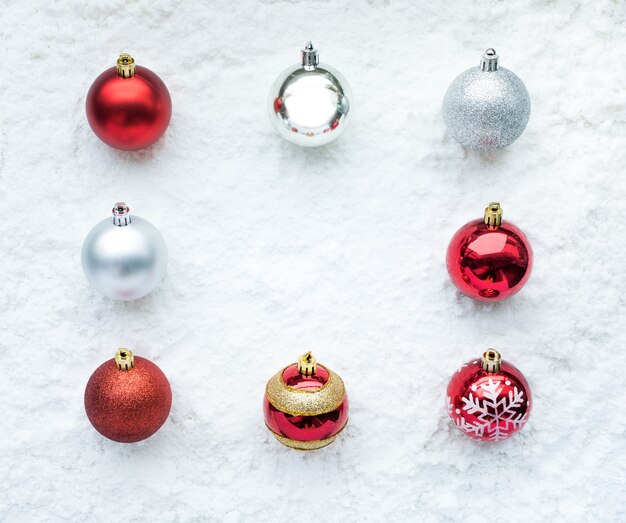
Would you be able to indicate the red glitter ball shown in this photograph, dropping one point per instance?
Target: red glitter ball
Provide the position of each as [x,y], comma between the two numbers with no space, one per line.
[489,263]
[305,428]
[489,406]
[129,113]
[128,406]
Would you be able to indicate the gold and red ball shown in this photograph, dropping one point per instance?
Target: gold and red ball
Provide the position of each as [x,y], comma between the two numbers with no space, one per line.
[305,405]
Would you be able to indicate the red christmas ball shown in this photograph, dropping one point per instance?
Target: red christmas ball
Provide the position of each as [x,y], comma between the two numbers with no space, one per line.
[128,106]
[489,399]
[127,398]
[489,260]
[305,405]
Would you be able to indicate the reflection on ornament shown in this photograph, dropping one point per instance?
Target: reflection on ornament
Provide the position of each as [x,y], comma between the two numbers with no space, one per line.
[309,103]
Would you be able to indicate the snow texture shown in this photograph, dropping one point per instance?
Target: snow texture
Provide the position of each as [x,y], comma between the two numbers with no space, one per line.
[276,249]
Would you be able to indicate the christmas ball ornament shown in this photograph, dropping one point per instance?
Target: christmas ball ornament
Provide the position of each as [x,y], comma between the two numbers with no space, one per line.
[305,405]
[125,257]
[309,103]
[128,106]
[488,259]
[127,398]
[486,107]
[489,399]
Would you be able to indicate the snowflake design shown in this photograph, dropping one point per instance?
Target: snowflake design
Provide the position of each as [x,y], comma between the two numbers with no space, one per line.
[466,364]
[497,415]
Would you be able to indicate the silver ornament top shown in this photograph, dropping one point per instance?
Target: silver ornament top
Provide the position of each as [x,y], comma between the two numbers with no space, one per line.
[486,107]
[310,57]
[309,102]
[121,214]
[489,60]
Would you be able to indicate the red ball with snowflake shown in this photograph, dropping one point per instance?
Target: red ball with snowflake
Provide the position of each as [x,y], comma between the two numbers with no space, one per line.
[489,259]
[489,399]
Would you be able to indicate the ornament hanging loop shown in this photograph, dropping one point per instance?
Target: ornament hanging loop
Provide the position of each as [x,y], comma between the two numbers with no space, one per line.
[491,361]
[489,60]
[307,364]
[493,215]
[121,214]
[310,57]
[124,359]
[126,66]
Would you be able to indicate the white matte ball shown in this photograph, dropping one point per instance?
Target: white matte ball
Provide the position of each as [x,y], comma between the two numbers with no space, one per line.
[124,262]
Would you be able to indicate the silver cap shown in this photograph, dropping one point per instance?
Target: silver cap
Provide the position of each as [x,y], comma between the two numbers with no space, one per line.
[121,214]
[489,60]
[310,57]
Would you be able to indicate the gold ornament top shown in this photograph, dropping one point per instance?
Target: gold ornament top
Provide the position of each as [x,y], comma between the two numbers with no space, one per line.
[307,364]
[126,65]
[124,359]
[491,361]
[493,215]
[299,402]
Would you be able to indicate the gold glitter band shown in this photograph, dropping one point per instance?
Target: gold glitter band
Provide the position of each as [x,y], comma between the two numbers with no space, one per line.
[305,402]
[306,445]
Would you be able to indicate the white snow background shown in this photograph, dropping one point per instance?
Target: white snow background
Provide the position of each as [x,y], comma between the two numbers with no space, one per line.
[275,250]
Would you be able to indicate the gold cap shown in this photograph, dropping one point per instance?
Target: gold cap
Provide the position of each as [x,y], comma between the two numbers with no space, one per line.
[124,359]
[493,215]
[491,361]
[307,364]
[126,65]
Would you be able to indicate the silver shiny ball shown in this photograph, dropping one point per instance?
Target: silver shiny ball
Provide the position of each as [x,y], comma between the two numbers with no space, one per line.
[486,107]
[124,257]
[309,104]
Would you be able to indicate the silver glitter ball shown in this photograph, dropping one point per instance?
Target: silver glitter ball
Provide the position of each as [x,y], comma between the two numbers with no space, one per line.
[125,256]
[486,107]
[309,103]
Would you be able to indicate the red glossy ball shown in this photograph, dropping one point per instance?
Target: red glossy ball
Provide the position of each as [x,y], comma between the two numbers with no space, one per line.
[129,113]
[489,264]
[128,406]
[488,406]
[305,428]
